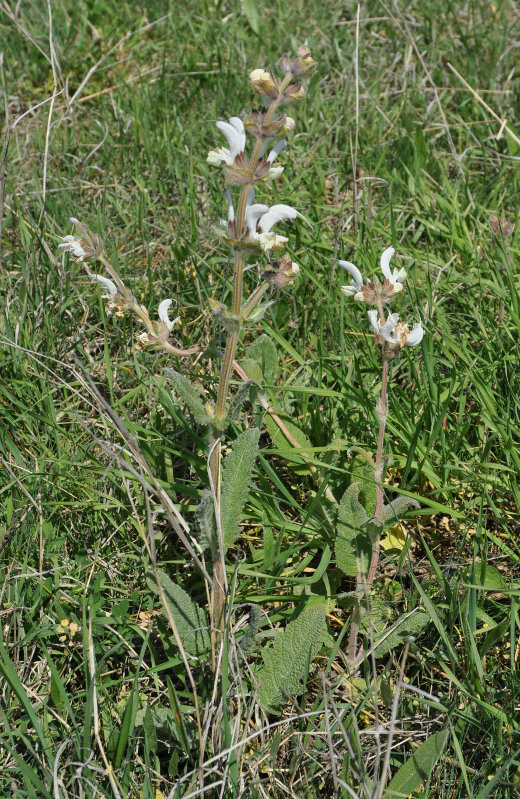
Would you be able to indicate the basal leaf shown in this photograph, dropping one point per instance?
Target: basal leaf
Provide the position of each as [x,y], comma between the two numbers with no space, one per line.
[190,619]
[287,661]
[417,768]
[387,637]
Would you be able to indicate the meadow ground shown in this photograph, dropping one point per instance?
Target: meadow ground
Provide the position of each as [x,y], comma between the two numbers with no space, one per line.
[408,136]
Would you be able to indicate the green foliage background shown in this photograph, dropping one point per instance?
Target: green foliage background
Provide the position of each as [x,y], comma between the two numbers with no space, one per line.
[122,147]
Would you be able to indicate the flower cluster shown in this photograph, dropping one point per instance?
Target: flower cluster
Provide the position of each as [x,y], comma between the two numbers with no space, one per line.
[259,219]
[250,229]
[119,299]
[390,334]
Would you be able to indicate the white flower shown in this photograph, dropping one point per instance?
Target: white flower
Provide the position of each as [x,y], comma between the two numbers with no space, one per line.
[72,245]
[397,276]
[253,213]
[163,315]
[355,288]
[268,218]
[235,134]
[108,286]
[395,333]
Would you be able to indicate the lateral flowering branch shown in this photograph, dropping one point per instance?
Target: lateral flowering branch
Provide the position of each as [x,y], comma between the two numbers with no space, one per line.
[87,246]
[390,337]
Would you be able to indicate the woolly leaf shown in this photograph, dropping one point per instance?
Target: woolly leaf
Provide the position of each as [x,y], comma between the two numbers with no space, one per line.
[393,510]
[389,516]
[286,448]
[236,478]
[240,396]
[418,767]
[263,351]
[363,473]
[390,637]
[190,619]
[287,661]
[187,393]
[353,548]
[247,640]
[253,370]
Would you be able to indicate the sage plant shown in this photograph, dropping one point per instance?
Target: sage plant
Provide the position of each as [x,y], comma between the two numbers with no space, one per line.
[248,234]
[390,337]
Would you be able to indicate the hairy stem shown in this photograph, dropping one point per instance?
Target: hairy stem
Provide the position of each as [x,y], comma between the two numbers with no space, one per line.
[353,654]
[215,459]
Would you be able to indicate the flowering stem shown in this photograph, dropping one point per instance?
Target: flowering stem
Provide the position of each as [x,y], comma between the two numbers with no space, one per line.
[353,654]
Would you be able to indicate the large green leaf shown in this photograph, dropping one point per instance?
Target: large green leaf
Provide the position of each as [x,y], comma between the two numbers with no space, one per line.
[236,479]
[287,662]
[188,394]
[190,619]
[353,547]
[264,352]
[417,768]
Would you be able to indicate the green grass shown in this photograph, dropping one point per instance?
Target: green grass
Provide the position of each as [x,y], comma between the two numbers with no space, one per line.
[128,158]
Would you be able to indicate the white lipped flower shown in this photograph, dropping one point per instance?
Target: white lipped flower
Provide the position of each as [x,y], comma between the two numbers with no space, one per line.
[163,315]
[355,287]
[260,219]
[109,287]
[235,134]
[72,245]
[396,334]
[397,276]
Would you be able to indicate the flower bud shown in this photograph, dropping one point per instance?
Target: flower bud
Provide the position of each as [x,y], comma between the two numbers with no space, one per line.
[293,92]
[264,82]
[282,272]
[285,64]
[303,64]
[288,125]
[258,125]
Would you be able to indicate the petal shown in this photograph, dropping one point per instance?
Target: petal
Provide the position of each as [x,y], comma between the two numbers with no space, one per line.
[373,316]
[235,134]
[219,156]
[354,271]
[163,313]
[349,291]
[275,172]
[385,264]
[415,336]
[231,209]
[386,330]
[276,214]
[277,149]
[109,285]
[253,214]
